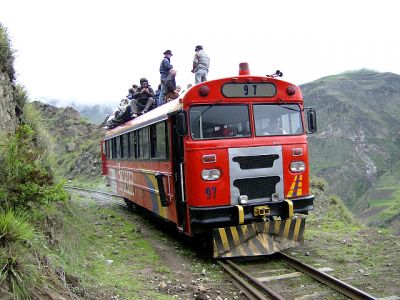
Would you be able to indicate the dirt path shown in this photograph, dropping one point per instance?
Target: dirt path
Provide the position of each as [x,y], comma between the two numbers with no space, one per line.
[191,275]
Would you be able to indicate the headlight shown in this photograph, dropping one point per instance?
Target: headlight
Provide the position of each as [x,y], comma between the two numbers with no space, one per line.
[297,166]
[213,174]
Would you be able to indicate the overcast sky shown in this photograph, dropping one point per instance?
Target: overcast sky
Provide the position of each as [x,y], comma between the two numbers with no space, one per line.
[93,51]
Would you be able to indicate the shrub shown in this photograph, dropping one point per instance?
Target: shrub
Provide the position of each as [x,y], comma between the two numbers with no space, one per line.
[14,227]
[318,183]
[6,54]
[20,95]
[14,273]
[12,277]
[25,180]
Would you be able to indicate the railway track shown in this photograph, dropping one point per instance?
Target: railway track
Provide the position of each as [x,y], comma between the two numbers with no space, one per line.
[254,287]
[257,288]
[101,197]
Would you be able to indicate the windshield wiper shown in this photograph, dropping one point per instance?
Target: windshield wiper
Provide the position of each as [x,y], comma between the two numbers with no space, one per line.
[203,112]
[283,103]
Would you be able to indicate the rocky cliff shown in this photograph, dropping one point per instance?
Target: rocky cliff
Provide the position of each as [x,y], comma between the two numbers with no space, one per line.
[74,141]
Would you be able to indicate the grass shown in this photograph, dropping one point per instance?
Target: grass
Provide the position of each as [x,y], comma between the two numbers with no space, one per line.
[14,228]
[105,250]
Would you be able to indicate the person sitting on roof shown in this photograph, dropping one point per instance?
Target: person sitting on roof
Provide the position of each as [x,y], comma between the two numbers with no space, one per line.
[120,116]
[132,91]
[143,98]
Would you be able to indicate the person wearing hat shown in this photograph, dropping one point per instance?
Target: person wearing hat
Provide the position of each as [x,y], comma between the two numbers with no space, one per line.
[201,63]
[165,66]
[143,98]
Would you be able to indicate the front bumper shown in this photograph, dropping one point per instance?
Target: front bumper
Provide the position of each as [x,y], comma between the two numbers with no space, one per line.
[203,219]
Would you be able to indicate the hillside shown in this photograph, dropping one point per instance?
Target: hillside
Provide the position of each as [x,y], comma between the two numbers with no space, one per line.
[74,142]
[358,139]
[93,113]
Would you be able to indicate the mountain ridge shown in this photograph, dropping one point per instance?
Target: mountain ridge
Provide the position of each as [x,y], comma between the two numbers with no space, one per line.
[359,132]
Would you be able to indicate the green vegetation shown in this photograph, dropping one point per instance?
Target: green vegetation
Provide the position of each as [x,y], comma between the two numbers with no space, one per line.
[20,95]
[6,54]
[383,199]
[101,248]
[14,228]
[358,139]
[26,187]
[25,181]
[360,255]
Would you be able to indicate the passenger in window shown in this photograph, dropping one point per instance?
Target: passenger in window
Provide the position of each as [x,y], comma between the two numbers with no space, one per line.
[222,131]
[143,99]
[274,127]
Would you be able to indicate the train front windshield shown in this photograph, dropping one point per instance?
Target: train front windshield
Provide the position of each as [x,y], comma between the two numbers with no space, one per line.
[219,121]
[233,121]
[272,119]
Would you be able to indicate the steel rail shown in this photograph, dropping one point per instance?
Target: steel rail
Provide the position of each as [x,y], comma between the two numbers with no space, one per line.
[256,282]
[250,291]
[332,282]
[92,191]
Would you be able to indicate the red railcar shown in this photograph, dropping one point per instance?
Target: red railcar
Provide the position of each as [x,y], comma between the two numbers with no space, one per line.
[229,157]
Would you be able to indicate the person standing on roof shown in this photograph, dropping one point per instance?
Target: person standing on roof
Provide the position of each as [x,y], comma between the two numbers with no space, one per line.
[201,63]
[165,66]
[171,92]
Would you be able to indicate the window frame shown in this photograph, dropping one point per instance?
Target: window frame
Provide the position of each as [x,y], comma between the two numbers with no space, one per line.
[290,121]
[247,105]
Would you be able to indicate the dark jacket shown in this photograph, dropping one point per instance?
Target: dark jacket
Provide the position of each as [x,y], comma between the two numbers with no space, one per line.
[170,83]
[165,66]
[143,96]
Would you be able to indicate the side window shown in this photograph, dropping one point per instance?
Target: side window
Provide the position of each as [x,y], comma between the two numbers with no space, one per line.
[144,143]
[153,141]
[107,145]
[118,147]
[114,148]
[121,140]
[134,144]
[158,140]
[125,145]
[161,140]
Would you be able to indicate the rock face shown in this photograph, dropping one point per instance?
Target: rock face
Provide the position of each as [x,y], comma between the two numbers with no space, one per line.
[8,118]
[76,142]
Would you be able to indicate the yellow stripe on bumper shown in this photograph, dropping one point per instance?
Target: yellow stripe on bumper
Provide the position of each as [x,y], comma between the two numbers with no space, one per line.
[258,238]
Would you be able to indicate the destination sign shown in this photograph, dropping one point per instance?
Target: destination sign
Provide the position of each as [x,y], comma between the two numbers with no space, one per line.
[249,89]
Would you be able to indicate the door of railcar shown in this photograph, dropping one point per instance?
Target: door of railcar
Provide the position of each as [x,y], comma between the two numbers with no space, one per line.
[177,154]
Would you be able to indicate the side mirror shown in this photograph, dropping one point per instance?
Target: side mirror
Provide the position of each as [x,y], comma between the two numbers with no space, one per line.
[311,120]
[181,127]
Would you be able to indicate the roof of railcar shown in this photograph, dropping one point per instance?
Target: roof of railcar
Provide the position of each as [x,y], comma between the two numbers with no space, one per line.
[192,95]
[153,116]
[215,91]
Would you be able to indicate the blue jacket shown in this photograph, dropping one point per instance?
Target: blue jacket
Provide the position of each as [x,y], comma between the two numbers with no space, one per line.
[165,66]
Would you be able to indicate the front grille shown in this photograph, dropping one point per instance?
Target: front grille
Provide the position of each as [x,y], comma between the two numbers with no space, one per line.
[256,162]
[257,188]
